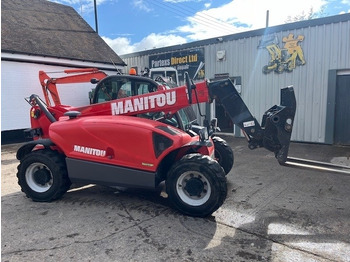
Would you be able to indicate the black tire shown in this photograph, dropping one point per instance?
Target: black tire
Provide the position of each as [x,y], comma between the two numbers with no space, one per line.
[42,175]
[223,154]
[196,185]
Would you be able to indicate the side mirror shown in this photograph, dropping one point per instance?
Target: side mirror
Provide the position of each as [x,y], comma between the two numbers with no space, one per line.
[189,87]
[94,81]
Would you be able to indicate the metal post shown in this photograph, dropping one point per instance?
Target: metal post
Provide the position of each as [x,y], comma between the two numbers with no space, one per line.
[267,18]
[96,16]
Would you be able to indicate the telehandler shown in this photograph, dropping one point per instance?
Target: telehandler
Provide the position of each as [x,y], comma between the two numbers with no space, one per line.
[137,134]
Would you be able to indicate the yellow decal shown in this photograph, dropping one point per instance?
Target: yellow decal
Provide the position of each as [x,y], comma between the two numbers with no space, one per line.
[283,59]
[147,164]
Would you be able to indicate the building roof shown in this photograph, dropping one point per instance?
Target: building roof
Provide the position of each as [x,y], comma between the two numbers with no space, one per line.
[43,28]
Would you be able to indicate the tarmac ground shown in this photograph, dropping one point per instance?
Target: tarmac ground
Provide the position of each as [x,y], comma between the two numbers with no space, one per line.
[271,213]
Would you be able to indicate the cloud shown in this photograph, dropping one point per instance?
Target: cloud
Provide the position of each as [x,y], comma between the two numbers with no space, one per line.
[233,17]
[82,6]
[140,4]
[123,45]
[238,16]
[181,1]
[120,45]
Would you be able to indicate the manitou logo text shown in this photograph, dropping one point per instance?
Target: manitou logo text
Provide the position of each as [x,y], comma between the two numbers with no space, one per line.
[138,104]
[89,151]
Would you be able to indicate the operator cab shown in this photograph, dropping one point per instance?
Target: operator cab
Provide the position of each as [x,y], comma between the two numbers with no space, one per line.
[121,86]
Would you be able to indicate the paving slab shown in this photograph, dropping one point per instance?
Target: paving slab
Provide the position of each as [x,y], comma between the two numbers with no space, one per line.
[272,213]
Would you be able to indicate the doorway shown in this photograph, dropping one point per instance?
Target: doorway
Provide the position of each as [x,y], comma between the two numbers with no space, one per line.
[342,111]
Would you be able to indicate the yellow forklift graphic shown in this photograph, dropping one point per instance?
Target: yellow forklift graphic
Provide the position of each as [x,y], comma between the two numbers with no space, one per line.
[285,59]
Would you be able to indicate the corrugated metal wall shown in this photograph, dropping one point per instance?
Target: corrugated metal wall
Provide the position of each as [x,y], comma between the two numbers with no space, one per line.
[325,47]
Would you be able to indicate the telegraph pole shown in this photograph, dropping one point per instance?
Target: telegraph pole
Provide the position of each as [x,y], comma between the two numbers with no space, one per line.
[96,25]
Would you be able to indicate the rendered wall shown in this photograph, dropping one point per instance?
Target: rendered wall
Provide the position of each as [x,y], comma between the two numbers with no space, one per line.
[20,80]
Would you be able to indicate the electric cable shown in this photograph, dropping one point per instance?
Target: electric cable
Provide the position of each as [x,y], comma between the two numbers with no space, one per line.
[206,20]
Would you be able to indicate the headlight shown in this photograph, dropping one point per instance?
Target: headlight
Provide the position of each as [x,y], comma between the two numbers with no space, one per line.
[203,134]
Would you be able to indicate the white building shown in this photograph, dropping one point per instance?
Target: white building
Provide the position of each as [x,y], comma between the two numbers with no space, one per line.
[41,35]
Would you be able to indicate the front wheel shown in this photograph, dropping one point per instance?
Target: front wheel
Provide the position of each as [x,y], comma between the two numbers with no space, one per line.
[196,185]
[223,154]
[42,175]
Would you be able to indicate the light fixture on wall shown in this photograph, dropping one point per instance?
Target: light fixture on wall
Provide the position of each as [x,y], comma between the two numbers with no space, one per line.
[221,55]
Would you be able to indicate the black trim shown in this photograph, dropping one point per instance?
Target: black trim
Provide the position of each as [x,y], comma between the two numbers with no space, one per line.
[28,147]
[168,130]
[55,57]
[12,136]
[160,143]
[30,133]
[58,63]
[206,143]
[87,172]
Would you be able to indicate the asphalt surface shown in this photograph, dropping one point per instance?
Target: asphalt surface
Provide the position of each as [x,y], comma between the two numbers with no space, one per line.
[272,213]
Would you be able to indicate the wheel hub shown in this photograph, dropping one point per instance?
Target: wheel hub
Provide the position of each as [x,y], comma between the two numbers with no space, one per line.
[195,187]
[42,176]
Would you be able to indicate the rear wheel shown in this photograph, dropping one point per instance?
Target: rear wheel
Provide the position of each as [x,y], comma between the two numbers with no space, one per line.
[42,175]
[196,185]
[223,154]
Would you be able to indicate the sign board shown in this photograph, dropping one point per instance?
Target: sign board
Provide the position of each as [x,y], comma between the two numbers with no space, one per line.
[190,60]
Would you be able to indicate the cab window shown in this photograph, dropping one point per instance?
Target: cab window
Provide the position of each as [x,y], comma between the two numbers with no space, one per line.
[121,87]
[145,87]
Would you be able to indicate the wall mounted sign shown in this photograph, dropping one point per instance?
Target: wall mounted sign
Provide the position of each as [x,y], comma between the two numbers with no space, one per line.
[283,59]
[191,61]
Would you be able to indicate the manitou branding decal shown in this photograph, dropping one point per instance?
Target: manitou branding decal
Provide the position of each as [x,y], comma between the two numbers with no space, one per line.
[137,104]
[89,151]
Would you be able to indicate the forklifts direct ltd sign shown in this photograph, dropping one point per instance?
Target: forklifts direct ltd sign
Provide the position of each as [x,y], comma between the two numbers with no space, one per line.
[191,61]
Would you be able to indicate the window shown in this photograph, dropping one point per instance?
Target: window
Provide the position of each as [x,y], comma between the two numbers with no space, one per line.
[145,88]
[117,87]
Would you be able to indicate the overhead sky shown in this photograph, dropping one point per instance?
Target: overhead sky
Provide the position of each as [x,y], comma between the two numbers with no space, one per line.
[135,25]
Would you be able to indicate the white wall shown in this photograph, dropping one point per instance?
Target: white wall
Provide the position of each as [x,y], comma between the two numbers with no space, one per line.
[21,79]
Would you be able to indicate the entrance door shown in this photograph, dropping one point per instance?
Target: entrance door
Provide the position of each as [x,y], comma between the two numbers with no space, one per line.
[342,111]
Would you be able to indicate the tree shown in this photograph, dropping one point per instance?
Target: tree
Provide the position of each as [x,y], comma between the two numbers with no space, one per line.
[306,16]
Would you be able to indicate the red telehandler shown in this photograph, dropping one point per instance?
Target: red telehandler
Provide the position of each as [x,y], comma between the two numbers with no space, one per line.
[137,134]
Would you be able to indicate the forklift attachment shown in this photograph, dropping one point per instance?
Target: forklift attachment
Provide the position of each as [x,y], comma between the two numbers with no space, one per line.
[323,166]
[277,123]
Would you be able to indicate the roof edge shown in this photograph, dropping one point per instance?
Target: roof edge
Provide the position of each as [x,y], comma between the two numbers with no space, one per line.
[23,58]
[61,57]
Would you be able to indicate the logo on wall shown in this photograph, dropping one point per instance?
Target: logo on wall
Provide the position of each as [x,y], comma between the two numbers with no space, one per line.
[283,59]
[191,61]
